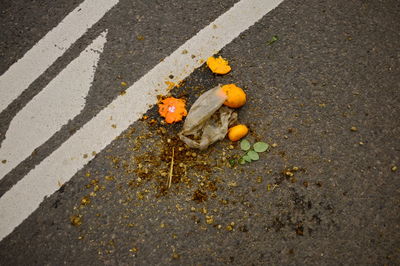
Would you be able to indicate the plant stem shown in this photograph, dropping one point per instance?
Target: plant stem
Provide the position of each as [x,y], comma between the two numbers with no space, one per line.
[171,169]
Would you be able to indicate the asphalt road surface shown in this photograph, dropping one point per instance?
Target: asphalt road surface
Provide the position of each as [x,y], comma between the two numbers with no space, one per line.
[322,80]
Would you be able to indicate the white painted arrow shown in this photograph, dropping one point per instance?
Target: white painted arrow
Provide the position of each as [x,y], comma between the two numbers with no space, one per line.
[61,100]
[43,54]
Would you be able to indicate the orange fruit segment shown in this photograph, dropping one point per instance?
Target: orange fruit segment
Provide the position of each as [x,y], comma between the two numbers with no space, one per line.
[236,96]
[237,132]
[218,65]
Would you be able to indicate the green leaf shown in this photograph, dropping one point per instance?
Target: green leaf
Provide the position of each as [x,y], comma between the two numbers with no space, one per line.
[232,162]
[247,158]
[273,39]
[253,155]
[242,161]
[245,145]
[260,146]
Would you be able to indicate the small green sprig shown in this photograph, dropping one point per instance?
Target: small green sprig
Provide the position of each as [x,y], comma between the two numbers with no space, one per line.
[273,39]
[252,154]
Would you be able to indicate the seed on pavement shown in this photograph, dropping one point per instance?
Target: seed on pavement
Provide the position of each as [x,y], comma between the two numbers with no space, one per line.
[209,219]
[76,220]
[133,250]
[85,201]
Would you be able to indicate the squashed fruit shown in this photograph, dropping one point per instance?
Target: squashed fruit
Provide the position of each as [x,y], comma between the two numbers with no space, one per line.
[236,96]
[172,109]
[218,65]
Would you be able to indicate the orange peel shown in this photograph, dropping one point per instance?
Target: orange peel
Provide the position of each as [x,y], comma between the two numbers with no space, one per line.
[236,97]
[236,133]
[218,65]
[172,109]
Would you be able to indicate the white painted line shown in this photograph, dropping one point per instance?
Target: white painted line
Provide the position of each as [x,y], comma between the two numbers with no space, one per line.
[61,100]
[45,52]
[22,199]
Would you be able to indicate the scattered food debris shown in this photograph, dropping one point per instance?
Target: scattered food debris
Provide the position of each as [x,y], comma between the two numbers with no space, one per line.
[209,219]
[85,201]
[175,256]
[394,168]
[288,173]
[354,129]
[172,85]
[300,229]
[199,196]
[271,187]
[163,164]
[232,184]
[218,65]
[76,220]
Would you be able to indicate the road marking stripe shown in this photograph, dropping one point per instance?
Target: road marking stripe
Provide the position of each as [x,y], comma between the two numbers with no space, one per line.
[61,100]
[45,52]
[24,198]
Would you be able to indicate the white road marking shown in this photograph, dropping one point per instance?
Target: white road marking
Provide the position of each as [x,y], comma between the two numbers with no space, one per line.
[44,53]
[24,198]
[61,100]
